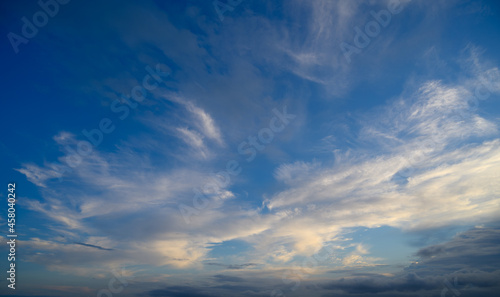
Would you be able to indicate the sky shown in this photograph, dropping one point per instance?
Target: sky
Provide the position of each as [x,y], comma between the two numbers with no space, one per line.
[251,148]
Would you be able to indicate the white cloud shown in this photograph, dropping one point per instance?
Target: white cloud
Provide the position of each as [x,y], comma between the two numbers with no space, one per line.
[206,123]
[422,173]
[295,172]
[195,140]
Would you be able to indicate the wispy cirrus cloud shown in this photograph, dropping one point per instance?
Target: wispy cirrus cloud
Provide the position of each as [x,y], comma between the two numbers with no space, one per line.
[422,173]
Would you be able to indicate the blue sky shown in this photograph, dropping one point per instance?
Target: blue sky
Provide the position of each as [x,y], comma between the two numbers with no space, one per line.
[252,148]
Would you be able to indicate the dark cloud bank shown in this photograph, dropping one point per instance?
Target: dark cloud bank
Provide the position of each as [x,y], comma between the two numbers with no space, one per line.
[467,265]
